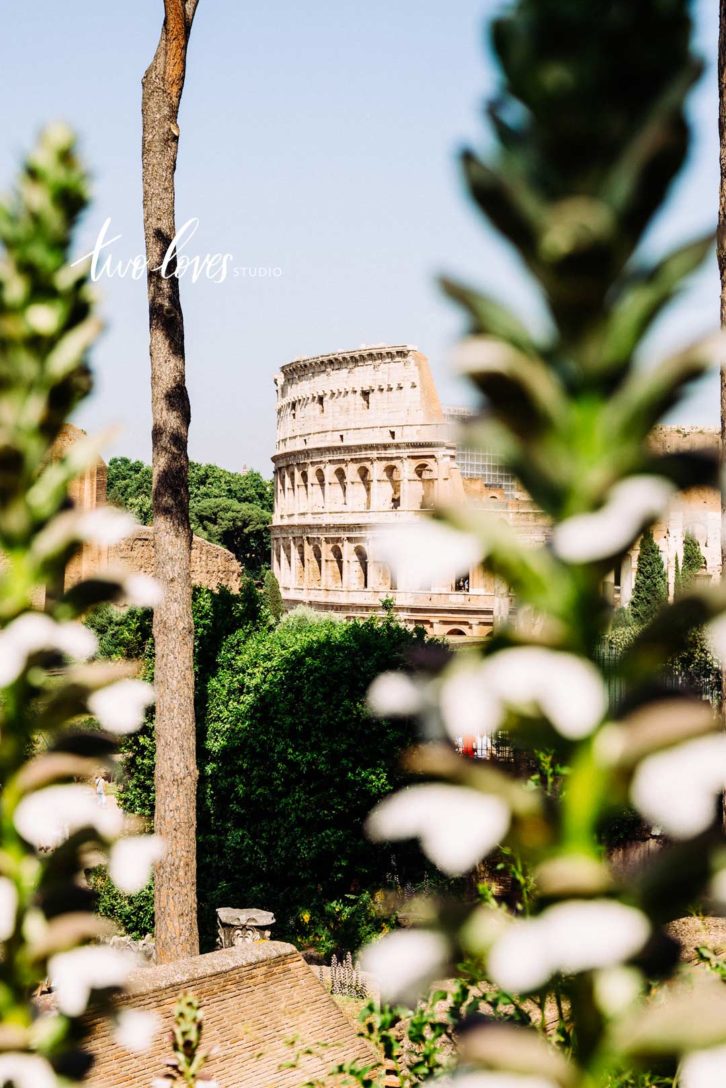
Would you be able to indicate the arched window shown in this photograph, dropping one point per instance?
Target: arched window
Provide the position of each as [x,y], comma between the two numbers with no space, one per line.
[303,490]
[316,572]
[341,486]
[299,579]
[425,486]
[286,576]
[335,567]
[320,489]
[392,474]
[365,482]
[359,573]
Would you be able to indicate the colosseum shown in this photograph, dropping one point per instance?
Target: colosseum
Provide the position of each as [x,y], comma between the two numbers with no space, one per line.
[363,444]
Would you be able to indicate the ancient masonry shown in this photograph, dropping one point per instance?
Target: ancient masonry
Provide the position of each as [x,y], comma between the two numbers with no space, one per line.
[212,566]
[363,444]
[268,1022]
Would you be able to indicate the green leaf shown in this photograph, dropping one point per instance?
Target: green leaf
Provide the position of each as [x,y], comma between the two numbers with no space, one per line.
[641,299]
[490,317]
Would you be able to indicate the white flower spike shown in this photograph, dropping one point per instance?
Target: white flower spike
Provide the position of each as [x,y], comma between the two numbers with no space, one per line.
[47,817]
[8,908]
[574,936]
[425,553]
[704,1068]
[131,861]
[567,689]
[75,974]
[105,526]
[404,963]
[26,1071]
[142,591]
[456,826]
[631,505]
[676,789]
[120,707]
[135,1030]
[394,695]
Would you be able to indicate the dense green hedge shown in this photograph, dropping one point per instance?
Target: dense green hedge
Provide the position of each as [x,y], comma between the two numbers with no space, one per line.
[290,763]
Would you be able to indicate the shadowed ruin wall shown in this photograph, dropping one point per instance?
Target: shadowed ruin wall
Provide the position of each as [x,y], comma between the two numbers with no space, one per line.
[211,565]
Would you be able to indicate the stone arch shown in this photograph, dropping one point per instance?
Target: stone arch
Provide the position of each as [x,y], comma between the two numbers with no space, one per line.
[319,490]
[456,632]
[303,492]
[392,475]
[316,567]
[299,576]
[335,567]
[286,575]
[359,568]
[425,482]
[341,487]
[364,476]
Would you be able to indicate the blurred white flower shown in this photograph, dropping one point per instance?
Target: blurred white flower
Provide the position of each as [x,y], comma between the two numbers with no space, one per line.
[135,1030]
[456,826]
[428,553]
[75,974]
[577,935]
[394,695]
[48,816]
[142,591]
[26,1071]
[631,505]
[677,788]
[33,632]
[8,907]
[120,707]
[470,706]
[404,963]
[717,888]
[716,635]
[567,689]
[132,859]
[616,988]
[704,1068]
[105,526]
[493,1079]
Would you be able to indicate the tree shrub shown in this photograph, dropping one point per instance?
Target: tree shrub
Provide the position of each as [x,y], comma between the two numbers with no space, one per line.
[650,589]
[291,764]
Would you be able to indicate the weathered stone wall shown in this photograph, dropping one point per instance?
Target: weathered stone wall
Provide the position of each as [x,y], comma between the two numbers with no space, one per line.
[212,566]
[270,1019]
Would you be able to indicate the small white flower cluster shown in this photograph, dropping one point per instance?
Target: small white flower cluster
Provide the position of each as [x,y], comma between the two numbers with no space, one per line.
[631,505]
[476,695]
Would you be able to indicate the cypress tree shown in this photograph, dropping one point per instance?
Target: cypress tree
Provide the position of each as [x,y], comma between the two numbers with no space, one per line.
[693,561]
[273,596]
[650,590]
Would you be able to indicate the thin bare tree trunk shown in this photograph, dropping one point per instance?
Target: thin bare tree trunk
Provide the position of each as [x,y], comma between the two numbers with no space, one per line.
[175,897]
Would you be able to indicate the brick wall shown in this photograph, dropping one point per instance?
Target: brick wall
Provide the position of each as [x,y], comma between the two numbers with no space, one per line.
[262,1005]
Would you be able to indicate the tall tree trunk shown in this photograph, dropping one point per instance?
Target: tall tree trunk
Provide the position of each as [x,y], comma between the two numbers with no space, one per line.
[175,897]
[721,253]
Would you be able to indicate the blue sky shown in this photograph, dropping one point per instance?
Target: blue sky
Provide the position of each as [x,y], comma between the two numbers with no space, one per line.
[318,140]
